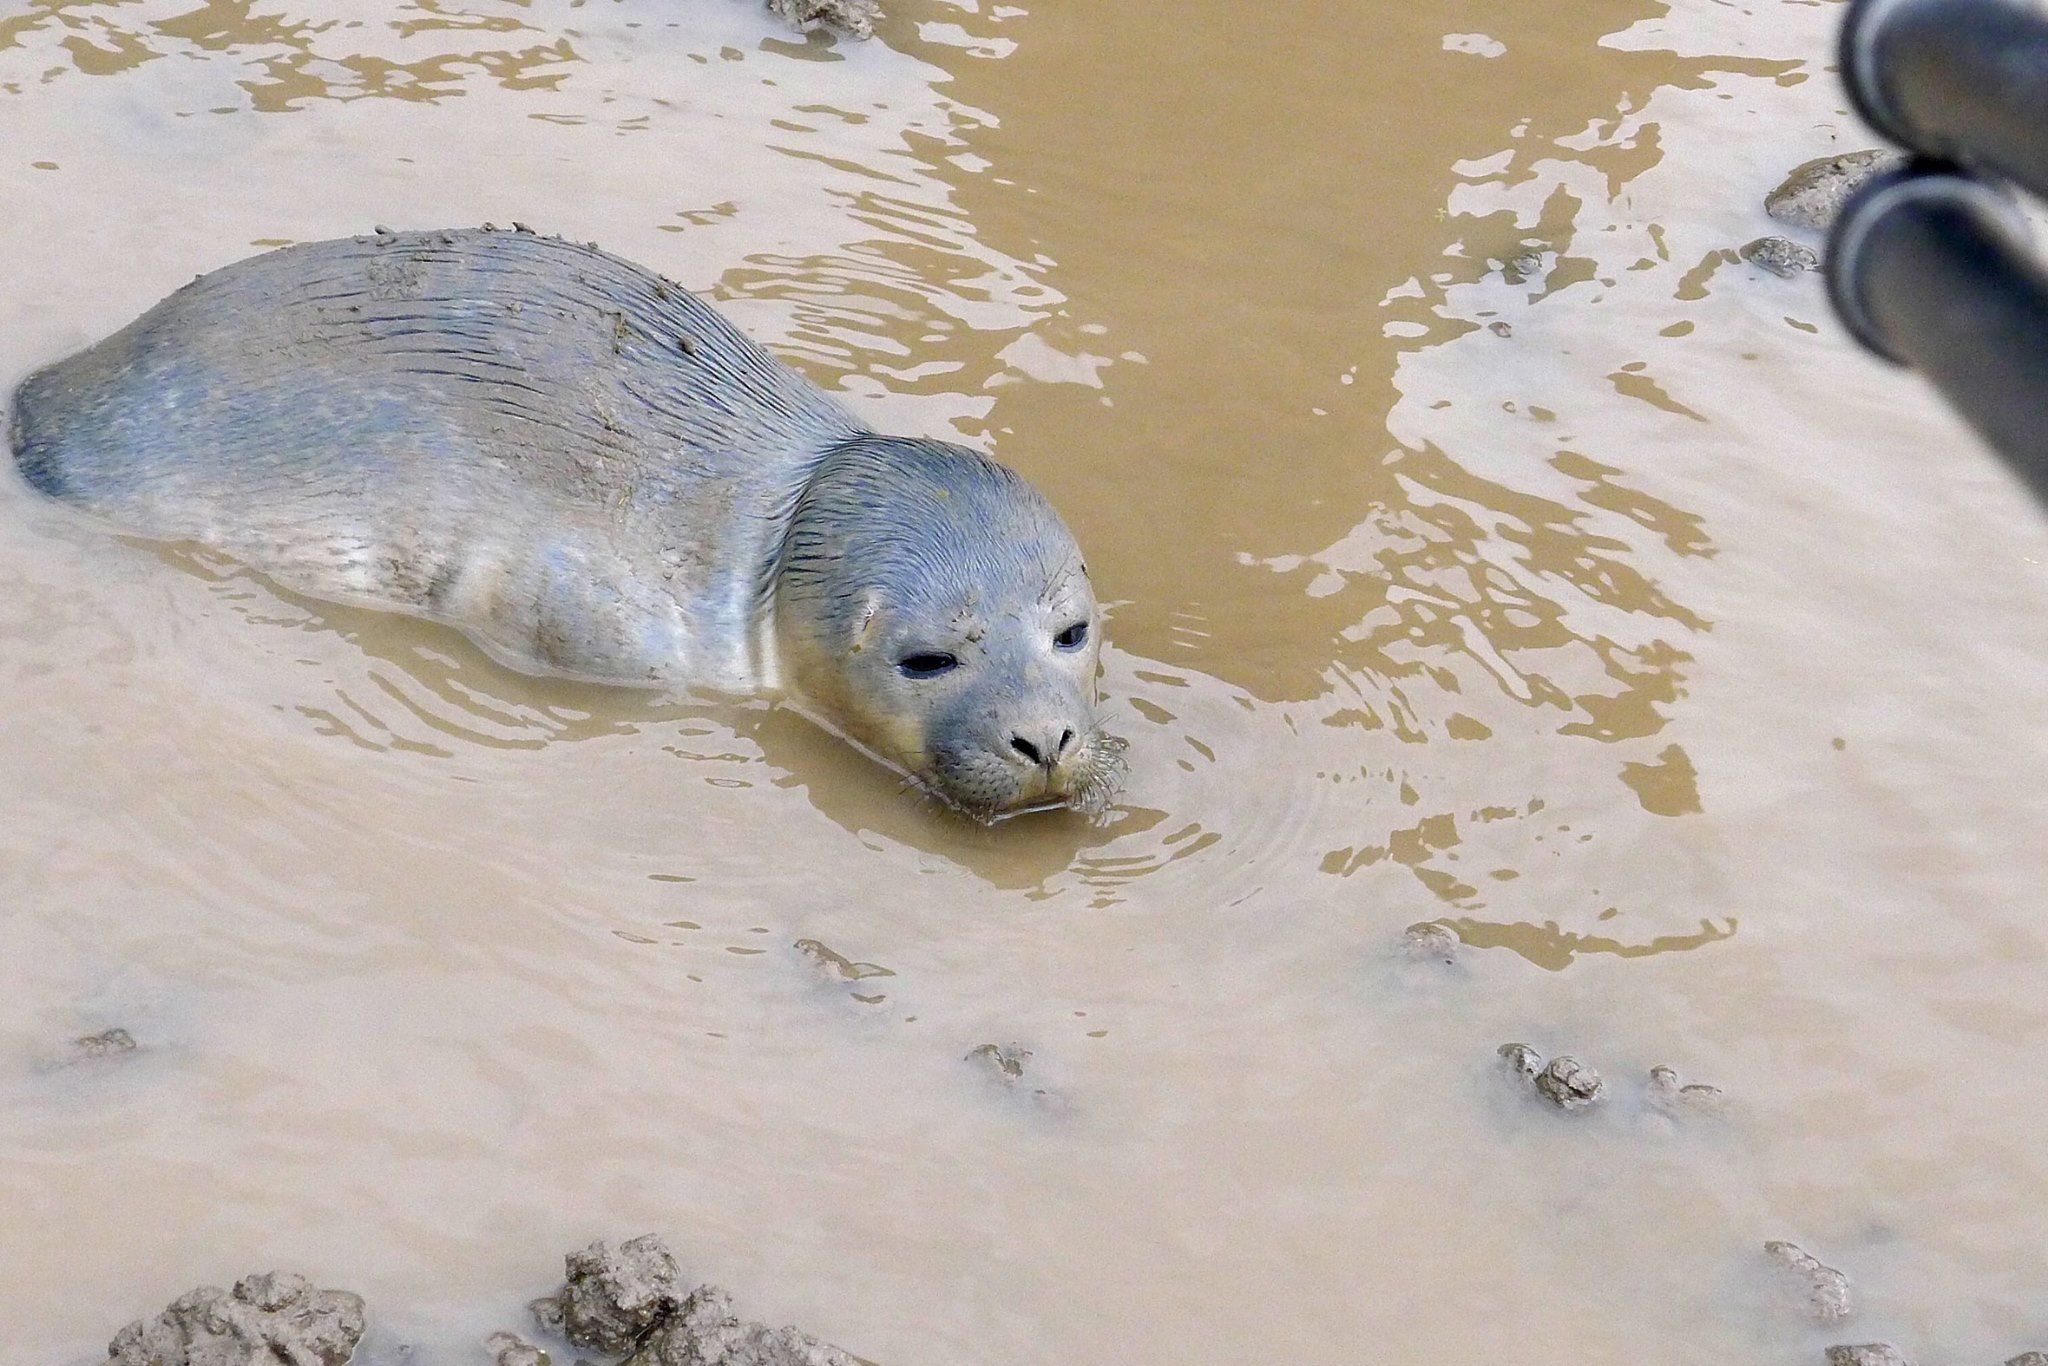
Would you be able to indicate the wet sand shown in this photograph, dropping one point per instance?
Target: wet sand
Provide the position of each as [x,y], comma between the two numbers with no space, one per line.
[1485,544]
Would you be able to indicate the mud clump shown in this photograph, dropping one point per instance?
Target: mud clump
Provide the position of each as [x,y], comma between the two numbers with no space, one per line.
[1569,1084]
[1812,196]
[614,1296]
[1868,1354]
[1524,1061]
[856,980]
[630,1301]
[2029,1359]
[1431,942]
[105,1048]
[107,1044]
[270,1319]
[1002,1061]
[1781,256]
[1524,268]
[833,966]
[1565,1082]
[706,1332]
[848,18]
[509,1349]
[1668,1095]
[1006,1065]
[1823,1291]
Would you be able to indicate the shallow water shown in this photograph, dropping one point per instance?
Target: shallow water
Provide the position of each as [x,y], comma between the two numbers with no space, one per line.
[1485,545]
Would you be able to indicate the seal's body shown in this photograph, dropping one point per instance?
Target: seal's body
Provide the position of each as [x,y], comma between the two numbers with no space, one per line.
[590,472]
[578,464]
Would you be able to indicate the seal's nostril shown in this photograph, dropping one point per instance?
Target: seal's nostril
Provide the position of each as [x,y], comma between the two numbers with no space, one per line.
[1025,748]
[1066,742]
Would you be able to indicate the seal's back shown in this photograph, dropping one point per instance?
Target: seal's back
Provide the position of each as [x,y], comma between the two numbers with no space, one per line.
[564,454]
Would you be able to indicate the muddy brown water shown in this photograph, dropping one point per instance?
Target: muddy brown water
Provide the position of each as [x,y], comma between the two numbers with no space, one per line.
[1485,545]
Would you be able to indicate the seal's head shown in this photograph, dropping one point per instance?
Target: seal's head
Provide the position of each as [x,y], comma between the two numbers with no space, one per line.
[934,607]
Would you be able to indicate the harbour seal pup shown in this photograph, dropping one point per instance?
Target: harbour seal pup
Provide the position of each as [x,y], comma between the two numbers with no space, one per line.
[591,473]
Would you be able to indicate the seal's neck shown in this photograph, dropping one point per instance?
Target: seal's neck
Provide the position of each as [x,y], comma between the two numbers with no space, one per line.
[793,517]
[786,639]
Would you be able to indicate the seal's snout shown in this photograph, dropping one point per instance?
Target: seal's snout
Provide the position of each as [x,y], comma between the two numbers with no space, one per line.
[1001,768]
[1044,752]
[1030,740]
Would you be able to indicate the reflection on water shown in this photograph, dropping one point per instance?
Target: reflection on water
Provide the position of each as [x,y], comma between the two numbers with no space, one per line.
[1477,551]
[425,52]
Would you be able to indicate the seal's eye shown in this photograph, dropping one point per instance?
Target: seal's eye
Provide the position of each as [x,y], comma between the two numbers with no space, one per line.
[927,665]
[1073,638]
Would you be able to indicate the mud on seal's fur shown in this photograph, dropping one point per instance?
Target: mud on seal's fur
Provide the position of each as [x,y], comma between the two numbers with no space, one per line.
[592,473]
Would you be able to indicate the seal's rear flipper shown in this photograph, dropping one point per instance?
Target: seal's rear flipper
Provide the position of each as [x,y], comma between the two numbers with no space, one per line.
[37,460]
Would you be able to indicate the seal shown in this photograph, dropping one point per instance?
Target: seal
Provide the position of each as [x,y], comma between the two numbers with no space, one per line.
[589,472]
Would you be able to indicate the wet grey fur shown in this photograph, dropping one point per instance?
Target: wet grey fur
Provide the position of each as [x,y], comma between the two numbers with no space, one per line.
[591,473]
[487,428]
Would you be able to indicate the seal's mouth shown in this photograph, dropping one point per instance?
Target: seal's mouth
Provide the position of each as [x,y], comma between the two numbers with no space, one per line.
[1086,783]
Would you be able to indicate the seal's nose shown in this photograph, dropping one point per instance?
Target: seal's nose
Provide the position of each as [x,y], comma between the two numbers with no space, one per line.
[1044,752]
